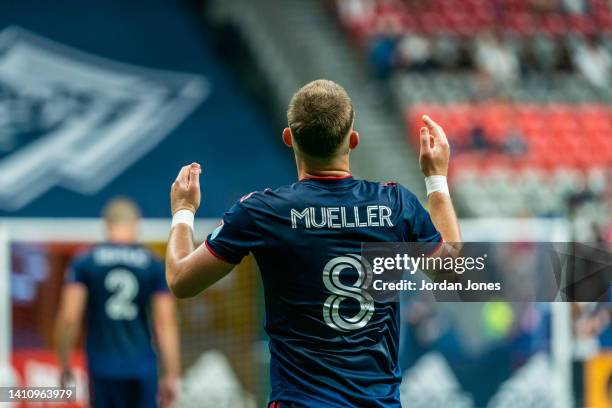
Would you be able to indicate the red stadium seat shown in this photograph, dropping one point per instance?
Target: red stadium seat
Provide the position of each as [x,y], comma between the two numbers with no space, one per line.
[472,16]
[557,136]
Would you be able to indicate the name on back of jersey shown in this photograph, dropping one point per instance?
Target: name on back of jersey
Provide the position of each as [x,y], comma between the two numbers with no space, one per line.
[113,255]
[342,217]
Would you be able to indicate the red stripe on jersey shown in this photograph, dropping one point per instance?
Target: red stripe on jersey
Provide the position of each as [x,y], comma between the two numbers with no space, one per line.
[437,247]
[212,251]
[326,177]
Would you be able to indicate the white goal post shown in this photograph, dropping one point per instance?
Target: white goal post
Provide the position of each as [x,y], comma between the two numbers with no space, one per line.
[544,230]
[7,377]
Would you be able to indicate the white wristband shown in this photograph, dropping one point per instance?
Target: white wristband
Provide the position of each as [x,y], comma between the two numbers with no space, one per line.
[183,217]
[436,183]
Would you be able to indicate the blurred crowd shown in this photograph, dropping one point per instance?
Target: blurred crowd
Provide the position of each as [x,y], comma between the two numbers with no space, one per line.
[502,39]
[500,57]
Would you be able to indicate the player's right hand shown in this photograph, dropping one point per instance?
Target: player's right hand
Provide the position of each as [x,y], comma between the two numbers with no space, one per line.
[435,150]
[185,191]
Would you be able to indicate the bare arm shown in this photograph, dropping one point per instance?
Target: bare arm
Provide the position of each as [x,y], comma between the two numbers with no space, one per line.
[68,325]
[166,330]
[444,217]
[434,159]
[189,271]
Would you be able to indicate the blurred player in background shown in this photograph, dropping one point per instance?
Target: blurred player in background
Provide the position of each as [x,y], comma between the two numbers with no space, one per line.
[330,344]
[121,287]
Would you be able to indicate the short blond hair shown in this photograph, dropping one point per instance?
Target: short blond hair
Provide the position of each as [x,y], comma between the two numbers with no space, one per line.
[320,116]
[121,210]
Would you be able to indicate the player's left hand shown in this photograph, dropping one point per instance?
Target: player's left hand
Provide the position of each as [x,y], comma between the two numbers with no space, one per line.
[66,378]
[435,150]
[185,191]
[167,391]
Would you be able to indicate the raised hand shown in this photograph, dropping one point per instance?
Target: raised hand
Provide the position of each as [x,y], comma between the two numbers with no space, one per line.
[435,150]
[185,191]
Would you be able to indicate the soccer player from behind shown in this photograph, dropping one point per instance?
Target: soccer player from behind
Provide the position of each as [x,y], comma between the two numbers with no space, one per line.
[330,345]
[121,287]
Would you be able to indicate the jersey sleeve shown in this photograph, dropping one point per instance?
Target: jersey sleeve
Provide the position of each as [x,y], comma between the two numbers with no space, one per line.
[235,236]
[417,222]
[77,271]
[159,276]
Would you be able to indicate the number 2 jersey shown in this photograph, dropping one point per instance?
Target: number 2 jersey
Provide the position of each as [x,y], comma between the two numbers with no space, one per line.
[330,345]
[121,281]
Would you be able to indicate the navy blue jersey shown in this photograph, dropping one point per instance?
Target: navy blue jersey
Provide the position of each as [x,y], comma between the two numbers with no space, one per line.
[330,345]
[120,281]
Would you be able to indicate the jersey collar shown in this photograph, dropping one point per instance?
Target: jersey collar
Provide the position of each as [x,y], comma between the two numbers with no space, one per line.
[326,178]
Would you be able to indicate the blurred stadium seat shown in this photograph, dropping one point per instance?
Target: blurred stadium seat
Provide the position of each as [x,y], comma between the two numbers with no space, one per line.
[551,139]
[531,107]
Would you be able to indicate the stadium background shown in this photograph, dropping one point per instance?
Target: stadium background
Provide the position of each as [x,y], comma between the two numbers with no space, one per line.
[523,88]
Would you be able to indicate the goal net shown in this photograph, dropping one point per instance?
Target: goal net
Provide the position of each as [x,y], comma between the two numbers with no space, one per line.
[220,329]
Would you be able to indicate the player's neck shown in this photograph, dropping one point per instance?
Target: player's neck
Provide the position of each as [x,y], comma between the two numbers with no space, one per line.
[337,167]
[121,235]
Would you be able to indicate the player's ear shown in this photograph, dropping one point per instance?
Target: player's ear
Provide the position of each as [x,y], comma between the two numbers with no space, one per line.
[353,139]
[287,137]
